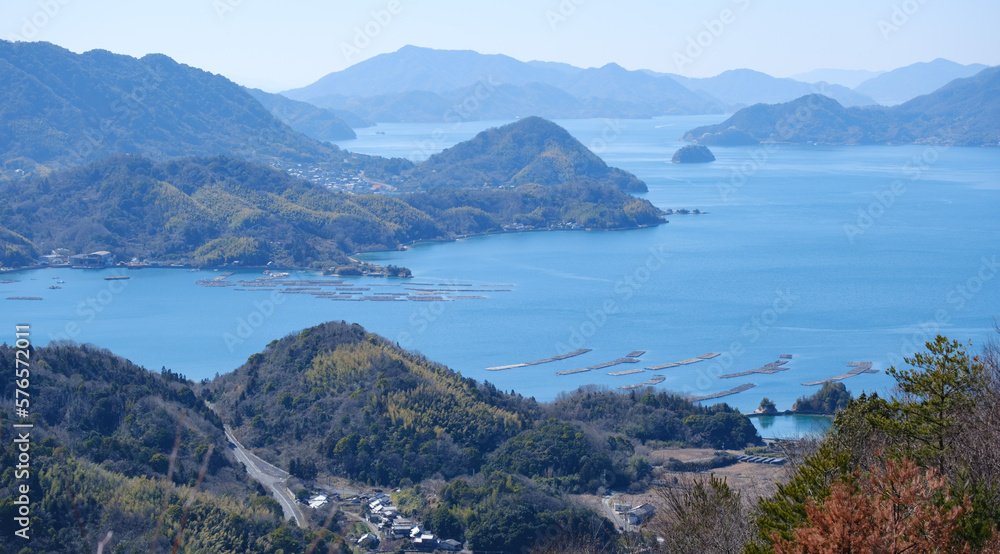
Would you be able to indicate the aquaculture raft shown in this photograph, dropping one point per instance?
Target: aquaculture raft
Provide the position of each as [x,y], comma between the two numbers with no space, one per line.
[538,362]
[766,369]
[735,390]
[626,372]
[600,366]
[859,368]
[701,358]
[648,383]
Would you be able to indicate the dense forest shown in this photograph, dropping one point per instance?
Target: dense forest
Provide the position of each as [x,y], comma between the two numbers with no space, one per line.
[142,454]
[60,109]
[359,406]
[916,472]
[216,211]
[116,448]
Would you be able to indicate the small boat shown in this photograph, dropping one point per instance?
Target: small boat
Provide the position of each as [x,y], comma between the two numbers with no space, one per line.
[54,287]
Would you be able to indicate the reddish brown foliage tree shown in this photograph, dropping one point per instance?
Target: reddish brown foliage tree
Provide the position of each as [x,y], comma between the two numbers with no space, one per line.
[895,509]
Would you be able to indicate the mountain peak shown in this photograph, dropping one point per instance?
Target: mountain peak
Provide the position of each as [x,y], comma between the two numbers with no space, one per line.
[613,67]
[530,150]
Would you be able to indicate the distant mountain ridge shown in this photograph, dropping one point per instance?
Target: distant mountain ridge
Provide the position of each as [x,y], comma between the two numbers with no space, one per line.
[964,112]
[413,68]
[313,122]
[422,84]
[906,83]
[849,78]
[745,87]
[416,84]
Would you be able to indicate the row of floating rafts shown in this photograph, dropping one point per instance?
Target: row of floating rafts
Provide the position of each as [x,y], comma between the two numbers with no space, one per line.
[626,372]
[345,291]
[630,358]
[648,383]
[767,369]
[542,361]
[859,368]
[603,365]
[688,361]
[735,390]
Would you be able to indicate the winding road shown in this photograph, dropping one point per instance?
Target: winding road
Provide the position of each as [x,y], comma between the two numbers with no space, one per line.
[270,476]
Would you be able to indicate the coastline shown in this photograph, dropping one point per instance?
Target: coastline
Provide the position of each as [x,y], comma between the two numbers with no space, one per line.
[350,255]
[405,245]
[791,413]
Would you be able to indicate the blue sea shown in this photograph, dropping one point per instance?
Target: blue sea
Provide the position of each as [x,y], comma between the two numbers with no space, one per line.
[828,254]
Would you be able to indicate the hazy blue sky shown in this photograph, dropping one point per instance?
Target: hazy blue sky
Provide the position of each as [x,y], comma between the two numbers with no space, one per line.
[279,45]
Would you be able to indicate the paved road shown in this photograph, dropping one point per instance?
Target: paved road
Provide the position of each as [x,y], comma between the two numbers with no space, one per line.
[609,510]
[270,476]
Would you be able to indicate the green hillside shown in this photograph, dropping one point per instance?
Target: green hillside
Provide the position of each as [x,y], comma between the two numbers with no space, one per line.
[317,123]
[356,405]
[59,108]
[531,150]
[116,448]
[216,211]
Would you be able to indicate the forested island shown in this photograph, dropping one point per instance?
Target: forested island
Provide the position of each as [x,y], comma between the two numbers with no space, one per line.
[223,211]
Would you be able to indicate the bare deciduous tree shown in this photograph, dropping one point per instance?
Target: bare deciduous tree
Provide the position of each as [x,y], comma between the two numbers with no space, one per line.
[705,516]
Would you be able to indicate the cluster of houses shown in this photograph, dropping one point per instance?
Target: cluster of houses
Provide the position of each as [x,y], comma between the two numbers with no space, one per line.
[637,515]
[384,514]
[94,259]
[317,500]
